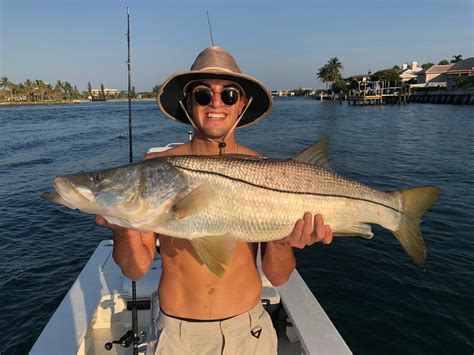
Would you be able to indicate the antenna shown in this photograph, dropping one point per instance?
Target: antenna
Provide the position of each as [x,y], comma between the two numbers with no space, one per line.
[210,30]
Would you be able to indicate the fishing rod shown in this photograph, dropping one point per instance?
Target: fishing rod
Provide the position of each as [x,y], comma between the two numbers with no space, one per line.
[130,337]
[210,30]
[130,152]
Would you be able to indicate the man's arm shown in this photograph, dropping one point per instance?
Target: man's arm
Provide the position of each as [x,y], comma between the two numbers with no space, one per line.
[278,261]
[133,251]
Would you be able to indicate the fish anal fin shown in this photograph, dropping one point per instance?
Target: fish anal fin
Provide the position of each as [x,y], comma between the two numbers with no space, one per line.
[215,252]
[195,201]
[315,154]
[358,230]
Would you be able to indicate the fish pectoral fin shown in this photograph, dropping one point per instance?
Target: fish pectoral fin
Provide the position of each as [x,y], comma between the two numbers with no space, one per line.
[215,251]
[315,154]
[195,201]
[358,230]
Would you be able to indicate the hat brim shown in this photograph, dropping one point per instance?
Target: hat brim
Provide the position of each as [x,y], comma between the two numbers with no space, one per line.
[171,92]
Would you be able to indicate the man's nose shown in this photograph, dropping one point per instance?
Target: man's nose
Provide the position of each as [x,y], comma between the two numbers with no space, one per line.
[216,100]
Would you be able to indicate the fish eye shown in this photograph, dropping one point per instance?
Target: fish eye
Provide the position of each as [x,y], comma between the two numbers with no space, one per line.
[97,177]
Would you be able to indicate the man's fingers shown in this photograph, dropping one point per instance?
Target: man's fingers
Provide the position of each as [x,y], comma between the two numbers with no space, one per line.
[100,220]
[329,236]
[307,230]
[319,227]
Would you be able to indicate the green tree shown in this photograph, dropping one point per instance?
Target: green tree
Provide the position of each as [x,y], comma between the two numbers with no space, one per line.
[443,62]
[102,90]
[386,75]
[339,85]
[68,90]
[323,75]
[426,66]
[330,72]
[133,93]
[155,89]
[6,84]
[89,88]
[456,58]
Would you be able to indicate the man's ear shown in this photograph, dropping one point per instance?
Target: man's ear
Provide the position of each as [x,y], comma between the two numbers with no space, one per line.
[243,102]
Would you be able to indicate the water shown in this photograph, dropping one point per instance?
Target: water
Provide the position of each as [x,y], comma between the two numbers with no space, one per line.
[380,302]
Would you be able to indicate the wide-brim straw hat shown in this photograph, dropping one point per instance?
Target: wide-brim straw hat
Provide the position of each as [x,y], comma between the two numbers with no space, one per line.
[213,63]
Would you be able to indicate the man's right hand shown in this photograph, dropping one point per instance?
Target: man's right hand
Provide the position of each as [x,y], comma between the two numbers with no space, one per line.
[101,221]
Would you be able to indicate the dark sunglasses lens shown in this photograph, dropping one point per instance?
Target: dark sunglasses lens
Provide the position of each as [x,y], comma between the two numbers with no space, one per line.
[229,96]
[202,96]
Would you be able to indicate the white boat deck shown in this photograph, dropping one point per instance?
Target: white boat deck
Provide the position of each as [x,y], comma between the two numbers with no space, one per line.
[94,311]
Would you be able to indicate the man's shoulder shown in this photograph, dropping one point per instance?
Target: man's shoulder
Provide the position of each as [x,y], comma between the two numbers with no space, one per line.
[248,151]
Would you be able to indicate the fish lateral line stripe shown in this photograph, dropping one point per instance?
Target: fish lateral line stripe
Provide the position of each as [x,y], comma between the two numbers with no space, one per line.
[287,191]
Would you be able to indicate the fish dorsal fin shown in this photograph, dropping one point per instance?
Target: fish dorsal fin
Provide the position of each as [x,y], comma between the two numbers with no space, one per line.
[195,201]
[359,230]
[315,154]
[215,252]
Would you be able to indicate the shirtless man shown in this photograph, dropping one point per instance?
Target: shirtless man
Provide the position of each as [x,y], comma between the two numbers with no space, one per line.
[200,312]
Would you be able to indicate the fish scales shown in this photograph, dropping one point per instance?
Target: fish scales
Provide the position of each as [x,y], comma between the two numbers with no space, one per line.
[258,203]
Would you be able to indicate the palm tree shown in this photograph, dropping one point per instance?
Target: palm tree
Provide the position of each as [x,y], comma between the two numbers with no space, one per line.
[323,75]
[68,90]
[334,68]
[29,87]
[330,72]
[58,90]
[4,83]
[456,58]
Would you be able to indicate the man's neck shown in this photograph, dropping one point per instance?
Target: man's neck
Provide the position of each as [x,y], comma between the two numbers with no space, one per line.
[202,146]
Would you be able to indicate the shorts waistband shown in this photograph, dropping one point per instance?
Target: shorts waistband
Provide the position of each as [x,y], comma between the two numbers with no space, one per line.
[239,321]
[192,320]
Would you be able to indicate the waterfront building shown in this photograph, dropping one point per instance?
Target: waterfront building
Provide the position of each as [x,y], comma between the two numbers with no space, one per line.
[107,92]
[463,70]
[434,76]
[410,74]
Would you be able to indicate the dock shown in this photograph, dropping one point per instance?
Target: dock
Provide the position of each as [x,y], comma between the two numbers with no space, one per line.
[450,97]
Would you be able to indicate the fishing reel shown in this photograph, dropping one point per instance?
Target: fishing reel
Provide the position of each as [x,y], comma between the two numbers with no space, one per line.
[125,341]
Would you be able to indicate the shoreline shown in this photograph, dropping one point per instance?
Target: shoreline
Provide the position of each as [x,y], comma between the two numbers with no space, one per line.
[33,103]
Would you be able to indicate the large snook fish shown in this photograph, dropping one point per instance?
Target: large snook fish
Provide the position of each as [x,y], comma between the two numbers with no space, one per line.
[215,200]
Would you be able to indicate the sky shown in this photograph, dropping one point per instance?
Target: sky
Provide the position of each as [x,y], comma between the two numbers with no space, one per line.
[281,43]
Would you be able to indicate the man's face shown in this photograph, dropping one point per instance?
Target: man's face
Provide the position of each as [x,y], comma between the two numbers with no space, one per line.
[216,118]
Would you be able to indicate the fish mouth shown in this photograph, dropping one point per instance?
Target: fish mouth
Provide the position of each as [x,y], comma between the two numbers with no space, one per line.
[74,195]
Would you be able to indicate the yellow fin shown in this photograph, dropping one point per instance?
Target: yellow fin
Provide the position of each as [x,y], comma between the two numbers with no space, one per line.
[359,230]
[215,251]
[416,202]
[315,154]
[195,201]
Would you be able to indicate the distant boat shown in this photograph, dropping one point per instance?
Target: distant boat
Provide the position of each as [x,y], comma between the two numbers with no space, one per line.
[94,98]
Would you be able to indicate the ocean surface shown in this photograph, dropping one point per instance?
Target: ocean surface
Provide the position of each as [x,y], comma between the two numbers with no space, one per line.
[377,298]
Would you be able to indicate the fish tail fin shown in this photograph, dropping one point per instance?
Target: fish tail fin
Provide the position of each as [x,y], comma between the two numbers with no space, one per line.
[415,203]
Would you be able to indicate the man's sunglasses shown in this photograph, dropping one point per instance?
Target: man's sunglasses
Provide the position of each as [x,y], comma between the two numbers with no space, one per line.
[203,95]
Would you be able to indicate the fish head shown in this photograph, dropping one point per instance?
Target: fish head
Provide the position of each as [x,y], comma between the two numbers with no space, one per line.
[99,192]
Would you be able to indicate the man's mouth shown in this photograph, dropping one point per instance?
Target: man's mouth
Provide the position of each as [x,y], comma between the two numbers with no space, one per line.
[216,116]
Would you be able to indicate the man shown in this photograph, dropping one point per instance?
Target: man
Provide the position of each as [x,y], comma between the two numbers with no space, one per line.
[200,312]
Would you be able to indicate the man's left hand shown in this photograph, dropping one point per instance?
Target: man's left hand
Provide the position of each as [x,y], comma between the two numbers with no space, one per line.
[308,231]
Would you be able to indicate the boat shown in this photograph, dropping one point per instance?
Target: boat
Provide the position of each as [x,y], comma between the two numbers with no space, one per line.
[95,316]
